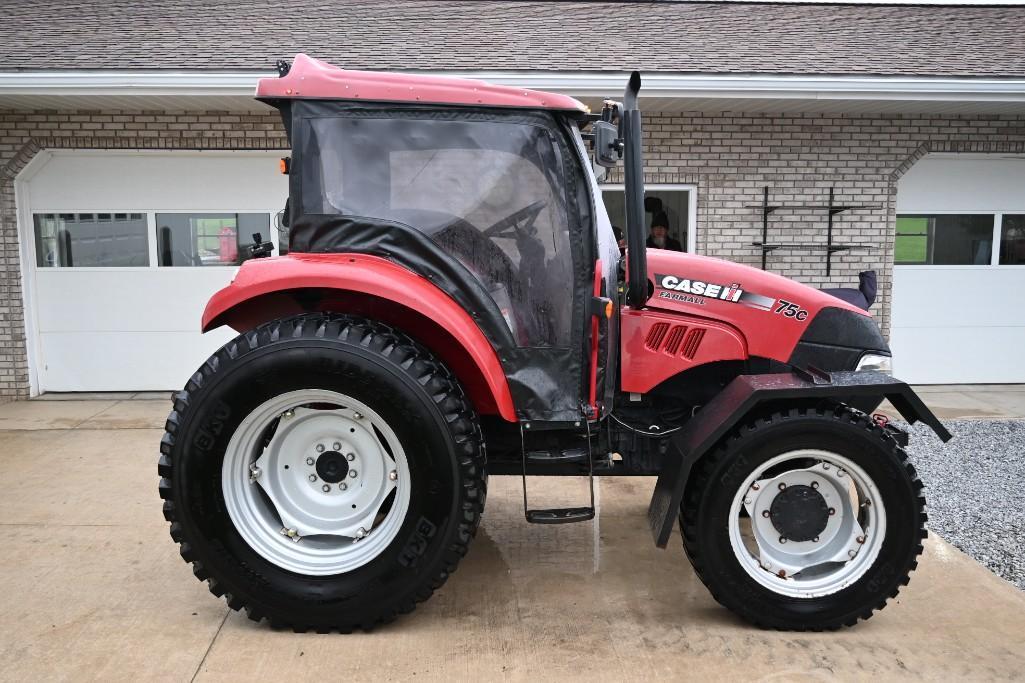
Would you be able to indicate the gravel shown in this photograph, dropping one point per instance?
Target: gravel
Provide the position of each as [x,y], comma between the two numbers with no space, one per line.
[975,490]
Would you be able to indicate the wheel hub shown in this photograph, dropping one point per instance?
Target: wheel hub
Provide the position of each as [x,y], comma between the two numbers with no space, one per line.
[812,530]
[316,482]
[344,486]
[332,467]
[799,513]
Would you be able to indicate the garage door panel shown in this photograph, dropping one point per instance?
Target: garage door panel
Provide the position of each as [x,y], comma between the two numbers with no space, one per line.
[112,299]
[113,314]
[964,355]
[124,361]
[958,297]
[180,182]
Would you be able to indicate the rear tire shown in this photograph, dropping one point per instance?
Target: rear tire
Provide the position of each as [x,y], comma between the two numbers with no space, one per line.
[427,461]
[738,557]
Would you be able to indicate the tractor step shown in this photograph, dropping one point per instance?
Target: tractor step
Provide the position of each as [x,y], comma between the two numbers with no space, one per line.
[559,457]
[568,455]
[560,515]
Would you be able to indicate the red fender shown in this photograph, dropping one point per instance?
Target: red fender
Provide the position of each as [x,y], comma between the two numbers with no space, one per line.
[379,280]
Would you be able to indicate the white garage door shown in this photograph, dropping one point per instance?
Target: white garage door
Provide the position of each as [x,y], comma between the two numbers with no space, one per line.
[121,252]
[959,271]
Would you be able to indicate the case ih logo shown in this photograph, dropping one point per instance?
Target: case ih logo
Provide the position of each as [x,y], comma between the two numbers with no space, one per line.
[699,290]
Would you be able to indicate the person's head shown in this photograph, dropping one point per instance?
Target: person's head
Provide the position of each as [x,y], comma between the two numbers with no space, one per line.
[659,228]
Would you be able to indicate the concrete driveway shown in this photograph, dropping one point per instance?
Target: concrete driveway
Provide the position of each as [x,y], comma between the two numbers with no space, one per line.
[93,588]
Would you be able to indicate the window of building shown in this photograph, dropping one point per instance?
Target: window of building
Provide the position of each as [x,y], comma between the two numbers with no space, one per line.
[1012,239]
[208,239]
[90,240]
[670,205]
[944,239]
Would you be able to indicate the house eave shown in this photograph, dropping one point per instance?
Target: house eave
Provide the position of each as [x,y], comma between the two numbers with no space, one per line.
[663,91]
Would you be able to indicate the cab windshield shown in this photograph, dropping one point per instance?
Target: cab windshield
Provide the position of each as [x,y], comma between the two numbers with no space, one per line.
[489,193]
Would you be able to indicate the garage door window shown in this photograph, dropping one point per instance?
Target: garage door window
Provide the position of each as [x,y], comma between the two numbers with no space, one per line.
[208,239]
[944,239]
[1012,240]
[90,240]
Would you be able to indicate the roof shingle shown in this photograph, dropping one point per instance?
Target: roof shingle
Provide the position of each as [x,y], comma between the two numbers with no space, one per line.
[693,37]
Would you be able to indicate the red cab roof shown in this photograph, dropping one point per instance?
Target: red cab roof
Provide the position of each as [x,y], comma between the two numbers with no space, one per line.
[311,78]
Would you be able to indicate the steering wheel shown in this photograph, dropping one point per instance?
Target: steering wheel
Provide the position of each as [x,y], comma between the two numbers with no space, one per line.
[527,215]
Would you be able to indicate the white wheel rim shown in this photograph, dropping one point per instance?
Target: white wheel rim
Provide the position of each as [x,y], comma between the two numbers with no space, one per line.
[329,489]
[842,552]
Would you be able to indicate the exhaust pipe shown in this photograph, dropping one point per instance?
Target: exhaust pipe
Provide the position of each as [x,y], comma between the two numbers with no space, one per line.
[637,257]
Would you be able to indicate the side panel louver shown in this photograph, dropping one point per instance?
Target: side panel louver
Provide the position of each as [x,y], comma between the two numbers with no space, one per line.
[656,335]
[690,347]
[657,346]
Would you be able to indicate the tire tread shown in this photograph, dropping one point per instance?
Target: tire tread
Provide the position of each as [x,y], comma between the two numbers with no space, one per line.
[740,437]
[404,353]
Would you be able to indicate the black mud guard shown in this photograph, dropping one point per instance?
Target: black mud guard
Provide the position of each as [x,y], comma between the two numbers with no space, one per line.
[717,417]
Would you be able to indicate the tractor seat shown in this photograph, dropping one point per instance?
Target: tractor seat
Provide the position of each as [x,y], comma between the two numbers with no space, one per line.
[863,296]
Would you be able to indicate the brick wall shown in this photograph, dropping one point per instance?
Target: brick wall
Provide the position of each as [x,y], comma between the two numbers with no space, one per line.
[730,158]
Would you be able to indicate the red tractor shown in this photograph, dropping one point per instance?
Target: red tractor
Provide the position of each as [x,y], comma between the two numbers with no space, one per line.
[453,305]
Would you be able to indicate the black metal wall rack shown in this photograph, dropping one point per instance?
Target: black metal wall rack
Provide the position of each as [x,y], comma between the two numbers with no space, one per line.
[832,209]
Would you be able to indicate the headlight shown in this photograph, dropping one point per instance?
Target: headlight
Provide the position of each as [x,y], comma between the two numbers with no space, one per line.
[875,361]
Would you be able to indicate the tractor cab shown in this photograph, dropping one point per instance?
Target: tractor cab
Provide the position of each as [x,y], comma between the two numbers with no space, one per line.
[486,192]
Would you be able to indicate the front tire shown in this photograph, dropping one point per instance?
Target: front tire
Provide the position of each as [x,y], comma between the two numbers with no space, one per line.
[323,471]
[805,520]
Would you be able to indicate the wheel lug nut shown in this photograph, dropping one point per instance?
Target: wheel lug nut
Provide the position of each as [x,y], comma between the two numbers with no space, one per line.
[393,475]
[852,553]
[755,486]
[825,465]
[747,501]
[350,457]
[353,474]
[358,416]
[325,488]
[782,573]
[320,448]
[782,485]
[313,477]
[782,539]
[815,540]
[361,533]
[861,539]
[814,484]
[832,511]
[343,486]
[309,461]
[765,513]
[336,446]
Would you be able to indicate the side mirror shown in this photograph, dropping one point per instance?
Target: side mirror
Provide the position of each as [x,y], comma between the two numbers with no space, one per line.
[608,148]
[260,249]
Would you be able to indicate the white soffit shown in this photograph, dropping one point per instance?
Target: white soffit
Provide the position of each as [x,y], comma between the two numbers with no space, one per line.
[227,91]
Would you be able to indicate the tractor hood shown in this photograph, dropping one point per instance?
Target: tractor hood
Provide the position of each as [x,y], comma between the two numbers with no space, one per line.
[779,318]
